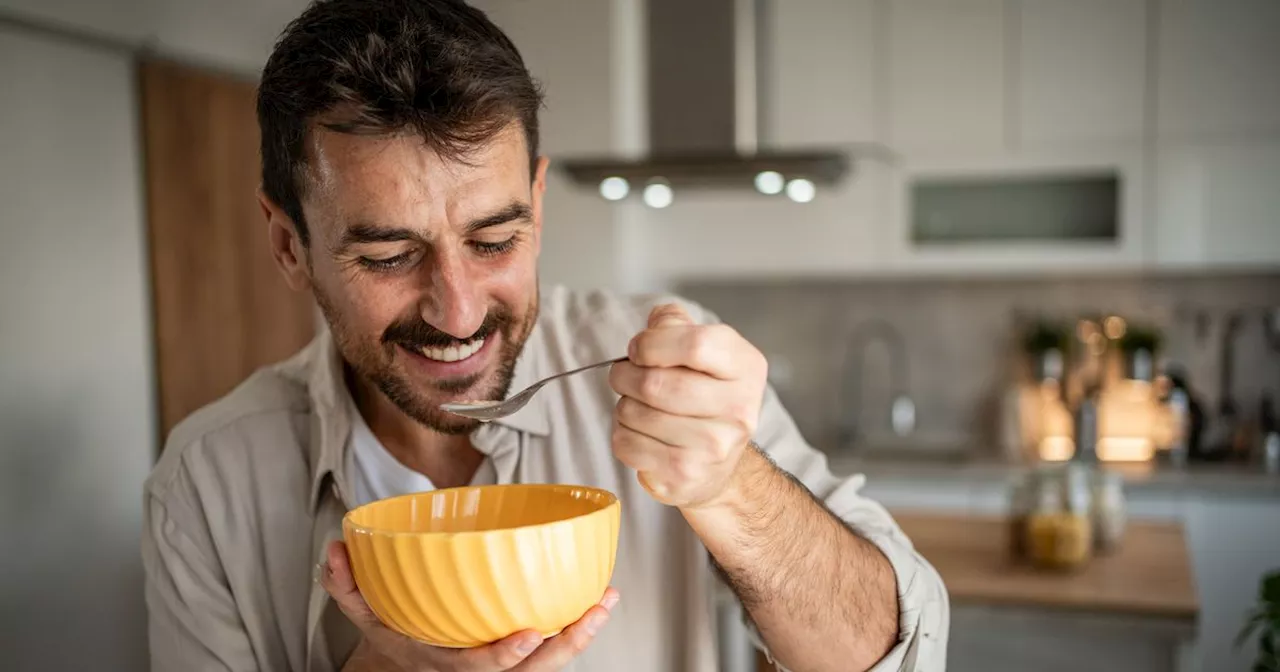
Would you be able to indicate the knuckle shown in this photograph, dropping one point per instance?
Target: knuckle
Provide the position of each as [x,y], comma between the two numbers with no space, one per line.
[628,410]
[653,384]
[643,344]
[703,342]
[619,437]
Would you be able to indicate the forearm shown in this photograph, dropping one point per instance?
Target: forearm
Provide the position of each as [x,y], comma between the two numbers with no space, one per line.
[822,597]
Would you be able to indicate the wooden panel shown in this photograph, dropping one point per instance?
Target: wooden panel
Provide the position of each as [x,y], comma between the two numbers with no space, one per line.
[1148,575]
[221,307]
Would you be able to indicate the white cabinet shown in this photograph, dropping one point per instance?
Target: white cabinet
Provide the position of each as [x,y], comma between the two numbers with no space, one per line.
[1217,75]
[1080,73]
[1217,160]
[1233,543]
[819,82]
[946,76]
[1218,205]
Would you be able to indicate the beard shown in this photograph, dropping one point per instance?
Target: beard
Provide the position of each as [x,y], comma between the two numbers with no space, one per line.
[374,361]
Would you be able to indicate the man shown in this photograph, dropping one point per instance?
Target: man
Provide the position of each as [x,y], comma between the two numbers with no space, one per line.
[402,186]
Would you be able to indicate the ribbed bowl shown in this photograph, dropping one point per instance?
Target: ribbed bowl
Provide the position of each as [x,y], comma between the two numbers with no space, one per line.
[462,567]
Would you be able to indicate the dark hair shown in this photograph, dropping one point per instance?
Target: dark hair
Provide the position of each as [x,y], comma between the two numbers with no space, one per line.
[438,68]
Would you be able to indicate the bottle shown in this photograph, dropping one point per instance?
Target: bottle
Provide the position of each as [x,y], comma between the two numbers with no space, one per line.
[1179,405]
[1086,427]
[1108,511]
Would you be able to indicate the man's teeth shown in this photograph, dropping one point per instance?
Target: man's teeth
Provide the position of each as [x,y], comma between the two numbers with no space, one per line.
[453,353]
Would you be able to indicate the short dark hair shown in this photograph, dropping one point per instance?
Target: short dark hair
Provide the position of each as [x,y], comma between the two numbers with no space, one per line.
[439,68]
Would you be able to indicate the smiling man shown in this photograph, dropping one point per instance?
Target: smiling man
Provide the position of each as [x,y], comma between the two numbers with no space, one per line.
[402,187]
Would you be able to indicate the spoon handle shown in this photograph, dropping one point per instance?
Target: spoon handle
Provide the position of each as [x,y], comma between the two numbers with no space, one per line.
[597,365]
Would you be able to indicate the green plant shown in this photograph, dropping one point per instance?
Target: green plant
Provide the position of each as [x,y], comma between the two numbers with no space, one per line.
[1044,336]
[1265,619]
[1137,338]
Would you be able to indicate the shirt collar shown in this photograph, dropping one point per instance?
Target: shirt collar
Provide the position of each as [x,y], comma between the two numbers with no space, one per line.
[331,409]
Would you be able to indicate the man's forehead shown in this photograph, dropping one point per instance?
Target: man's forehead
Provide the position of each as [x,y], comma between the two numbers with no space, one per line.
[335,159]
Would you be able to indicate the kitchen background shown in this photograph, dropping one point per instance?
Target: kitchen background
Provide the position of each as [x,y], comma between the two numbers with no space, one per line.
[996,163]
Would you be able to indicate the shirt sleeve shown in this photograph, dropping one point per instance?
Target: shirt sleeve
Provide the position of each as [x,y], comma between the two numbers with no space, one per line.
[923,605]
[193,624]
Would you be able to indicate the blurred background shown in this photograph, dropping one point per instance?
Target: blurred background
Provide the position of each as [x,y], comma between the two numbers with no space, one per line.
[1016,260]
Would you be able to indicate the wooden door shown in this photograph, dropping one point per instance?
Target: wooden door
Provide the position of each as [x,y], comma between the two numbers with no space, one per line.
[221,308]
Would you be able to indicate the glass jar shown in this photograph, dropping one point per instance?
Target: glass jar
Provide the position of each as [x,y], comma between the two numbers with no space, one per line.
[1022,501]
[1059,529]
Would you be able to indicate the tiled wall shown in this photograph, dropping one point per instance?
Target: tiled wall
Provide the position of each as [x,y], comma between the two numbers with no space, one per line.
[958,336]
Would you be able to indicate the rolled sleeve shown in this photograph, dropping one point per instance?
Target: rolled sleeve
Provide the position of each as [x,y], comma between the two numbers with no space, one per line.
[923,605]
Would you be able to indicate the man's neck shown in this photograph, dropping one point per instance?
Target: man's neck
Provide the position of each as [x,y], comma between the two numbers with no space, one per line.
[448,460]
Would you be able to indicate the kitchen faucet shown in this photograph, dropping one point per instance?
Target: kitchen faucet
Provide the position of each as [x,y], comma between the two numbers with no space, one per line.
[902,413]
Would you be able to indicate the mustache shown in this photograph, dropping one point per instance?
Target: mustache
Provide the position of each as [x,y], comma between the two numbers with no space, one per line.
[418,334]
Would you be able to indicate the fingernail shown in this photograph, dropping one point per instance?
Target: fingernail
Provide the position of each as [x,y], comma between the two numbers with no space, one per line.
[610,600]
[527,645]
[631,349]
[594,623]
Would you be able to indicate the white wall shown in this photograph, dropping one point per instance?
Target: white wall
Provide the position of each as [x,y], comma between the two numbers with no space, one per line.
[230,34]
[77,416]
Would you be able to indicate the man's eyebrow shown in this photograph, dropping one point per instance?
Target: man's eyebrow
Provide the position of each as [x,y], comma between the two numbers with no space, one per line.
[515,212]
[359,233]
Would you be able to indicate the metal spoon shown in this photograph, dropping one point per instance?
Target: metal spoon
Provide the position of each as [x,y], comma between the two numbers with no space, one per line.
[485,411]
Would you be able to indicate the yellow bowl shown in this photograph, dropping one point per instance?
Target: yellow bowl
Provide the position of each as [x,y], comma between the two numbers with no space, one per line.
[462,567]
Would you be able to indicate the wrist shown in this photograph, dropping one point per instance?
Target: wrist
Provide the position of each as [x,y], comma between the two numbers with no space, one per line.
[740,492]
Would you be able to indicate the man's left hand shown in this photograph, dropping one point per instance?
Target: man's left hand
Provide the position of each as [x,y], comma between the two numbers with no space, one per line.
[691,397]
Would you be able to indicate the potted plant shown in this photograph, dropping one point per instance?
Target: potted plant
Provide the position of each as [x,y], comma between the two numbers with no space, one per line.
[1138,346]
[1046,344]
[1265,620]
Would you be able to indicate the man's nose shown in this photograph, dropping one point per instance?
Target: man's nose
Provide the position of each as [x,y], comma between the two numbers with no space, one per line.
[453,303]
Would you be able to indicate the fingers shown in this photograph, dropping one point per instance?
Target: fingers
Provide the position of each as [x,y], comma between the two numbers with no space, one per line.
[708,438]
[504,654]
[674,390]
[712,349]
[557,652]
[669,315]
[338,580]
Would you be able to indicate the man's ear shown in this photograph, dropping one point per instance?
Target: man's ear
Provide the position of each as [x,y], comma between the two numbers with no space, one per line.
[539,189]
[286,245]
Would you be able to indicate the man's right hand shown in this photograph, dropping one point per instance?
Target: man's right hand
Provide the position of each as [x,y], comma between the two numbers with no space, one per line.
[385,649]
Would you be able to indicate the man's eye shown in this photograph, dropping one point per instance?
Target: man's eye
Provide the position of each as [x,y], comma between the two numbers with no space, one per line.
[491,249]
[386,264]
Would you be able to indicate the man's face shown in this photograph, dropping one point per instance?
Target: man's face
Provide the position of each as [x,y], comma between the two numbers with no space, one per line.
[425,268]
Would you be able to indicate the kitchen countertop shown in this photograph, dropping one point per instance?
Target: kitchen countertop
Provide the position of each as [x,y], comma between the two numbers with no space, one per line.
[1148,575]
[1232,480]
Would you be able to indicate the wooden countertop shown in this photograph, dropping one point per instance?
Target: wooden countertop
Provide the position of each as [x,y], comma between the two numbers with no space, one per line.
[1148,575]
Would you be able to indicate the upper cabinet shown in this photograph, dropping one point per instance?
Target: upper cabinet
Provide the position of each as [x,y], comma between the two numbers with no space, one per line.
[819,82]
[946,69]
[1080,73]
[1217,70]
[1218,205]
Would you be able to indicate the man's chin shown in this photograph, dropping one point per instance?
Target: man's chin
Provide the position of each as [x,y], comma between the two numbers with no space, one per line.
[444,422]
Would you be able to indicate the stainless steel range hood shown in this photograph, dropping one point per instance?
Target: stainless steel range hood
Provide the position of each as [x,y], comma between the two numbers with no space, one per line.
[705,60]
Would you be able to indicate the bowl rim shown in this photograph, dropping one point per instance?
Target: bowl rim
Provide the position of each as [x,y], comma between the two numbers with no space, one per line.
[349,523]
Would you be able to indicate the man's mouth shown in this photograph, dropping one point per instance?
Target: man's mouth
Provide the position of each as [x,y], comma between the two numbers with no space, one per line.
[453,353]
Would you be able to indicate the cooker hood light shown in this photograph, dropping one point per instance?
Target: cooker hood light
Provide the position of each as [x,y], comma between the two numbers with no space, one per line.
[704,59]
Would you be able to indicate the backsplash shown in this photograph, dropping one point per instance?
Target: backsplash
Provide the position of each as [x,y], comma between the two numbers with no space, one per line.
[958,336]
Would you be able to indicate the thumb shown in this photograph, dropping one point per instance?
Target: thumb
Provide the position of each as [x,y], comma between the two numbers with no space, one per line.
[340,582]
[669,315]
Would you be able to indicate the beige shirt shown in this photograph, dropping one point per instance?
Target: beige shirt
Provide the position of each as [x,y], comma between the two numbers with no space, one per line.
[250,489]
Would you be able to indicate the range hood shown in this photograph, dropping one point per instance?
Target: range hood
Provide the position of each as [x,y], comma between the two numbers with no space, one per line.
[704,63]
